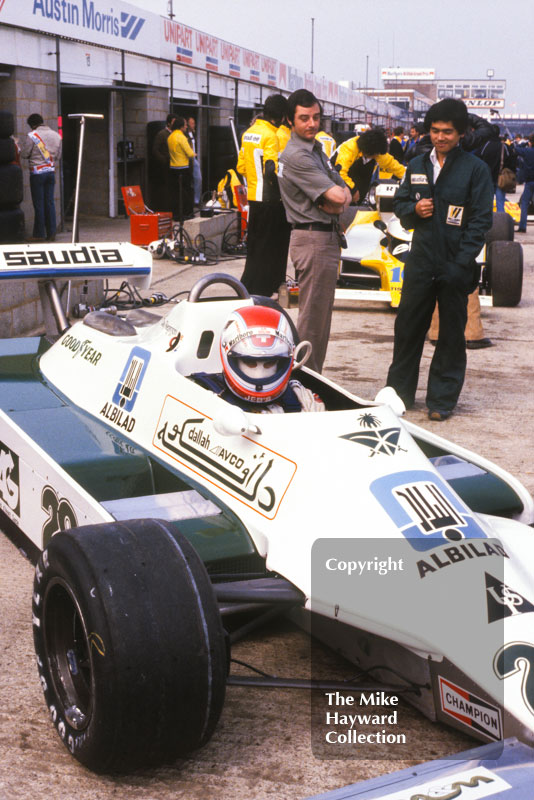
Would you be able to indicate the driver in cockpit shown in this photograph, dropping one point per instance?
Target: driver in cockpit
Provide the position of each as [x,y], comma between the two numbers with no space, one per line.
[258,356]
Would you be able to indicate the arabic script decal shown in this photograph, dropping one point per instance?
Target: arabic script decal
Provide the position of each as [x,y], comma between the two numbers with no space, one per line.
[250,472]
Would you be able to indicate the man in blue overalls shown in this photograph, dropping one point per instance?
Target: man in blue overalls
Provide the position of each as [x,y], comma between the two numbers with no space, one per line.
[446,196]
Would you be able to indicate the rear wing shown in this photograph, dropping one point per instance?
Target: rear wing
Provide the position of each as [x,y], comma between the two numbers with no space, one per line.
[49,262]
[83,261]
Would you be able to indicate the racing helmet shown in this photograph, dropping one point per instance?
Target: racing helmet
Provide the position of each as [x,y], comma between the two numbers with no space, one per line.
[257,349]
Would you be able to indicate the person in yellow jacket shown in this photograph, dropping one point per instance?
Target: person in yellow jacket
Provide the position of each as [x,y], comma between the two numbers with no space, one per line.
[283,135]
[328,143]
[268,230]
[357,158]
[181,186]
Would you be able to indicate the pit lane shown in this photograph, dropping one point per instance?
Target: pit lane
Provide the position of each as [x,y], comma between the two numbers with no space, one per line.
[261,748]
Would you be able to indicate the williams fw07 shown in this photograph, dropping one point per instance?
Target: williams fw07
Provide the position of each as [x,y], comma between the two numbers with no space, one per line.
[155,509]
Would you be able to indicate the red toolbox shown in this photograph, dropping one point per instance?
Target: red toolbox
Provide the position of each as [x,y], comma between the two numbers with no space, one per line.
[145,225]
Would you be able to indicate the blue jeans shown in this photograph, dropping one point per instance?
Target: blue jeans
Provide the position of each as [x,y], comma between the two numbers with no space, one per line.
[500,198]
[526,197]
[42,191]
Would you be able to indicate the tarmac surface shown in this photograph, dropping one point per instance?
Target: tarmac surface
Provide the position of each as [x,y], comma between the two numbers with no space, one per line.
[261,748]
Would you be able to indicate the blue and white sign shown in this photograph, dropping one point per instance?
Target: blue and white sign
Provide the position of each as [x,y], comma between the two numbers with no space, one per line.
[425,509]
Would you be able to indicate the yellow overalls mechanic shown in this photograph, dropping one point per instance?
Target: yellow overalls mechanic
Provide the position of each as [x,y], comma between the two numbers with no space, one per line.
[328,143]
[259,145]
[356,166]
[283,133]
[268,230]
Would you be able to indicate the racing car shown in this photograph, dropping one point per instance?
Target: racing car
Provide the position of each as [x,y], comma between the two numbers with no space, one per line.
[372,265]
[157,512]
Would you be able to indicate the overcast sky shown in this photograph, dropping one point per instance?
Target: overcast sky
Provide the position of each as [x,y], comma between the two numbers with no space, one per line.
[459,38]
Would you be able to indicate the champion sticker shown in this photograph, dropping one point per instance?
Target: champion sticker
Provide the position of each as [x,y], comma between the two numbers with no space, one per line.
[470,710]
[454,215]
[425,509]
[419,179]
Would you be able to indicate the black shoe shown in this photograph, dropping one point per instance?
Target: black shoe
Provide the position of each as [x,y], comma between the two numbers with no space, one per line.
[478,344]
[521,230]
[439,416]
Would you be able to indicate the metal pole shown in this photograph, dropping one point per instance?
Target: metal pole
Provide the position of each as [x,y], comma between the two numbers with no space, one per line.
[123,99]
[171,98]
[60,124]
[312,37]
[82,118]
[208,103]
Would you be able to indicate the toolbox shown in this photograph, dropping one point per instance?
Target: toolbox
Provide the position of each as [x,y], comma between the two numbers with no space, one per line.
[145,225]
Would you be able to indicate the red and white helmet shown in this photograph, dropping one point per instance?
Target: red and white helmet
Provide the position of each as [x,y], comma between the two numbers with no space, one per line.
[257,353]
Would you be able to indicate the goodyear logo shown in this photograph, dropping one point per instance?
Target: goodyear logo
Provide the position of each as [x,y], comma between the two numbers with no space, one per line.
[88,15]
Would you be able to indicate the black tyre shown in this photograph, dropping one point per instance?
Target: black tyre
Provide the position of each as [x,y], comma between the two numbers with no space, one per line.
[502,229]
[12,226]
[505,272]
[129,643]
[7,124]
[11,186]
[8,151]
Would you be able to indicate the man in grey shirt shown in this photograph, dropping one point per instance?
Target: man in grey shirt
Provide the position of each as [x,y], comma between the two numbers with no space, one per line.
[313,195]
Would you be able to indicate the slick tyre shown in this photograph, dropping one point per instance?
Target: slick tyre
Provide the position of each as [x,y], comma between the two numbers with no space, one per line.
[8,151]
[11,186]
[129,643]
[505,264]
[11,226]
[7,124]
[502,228]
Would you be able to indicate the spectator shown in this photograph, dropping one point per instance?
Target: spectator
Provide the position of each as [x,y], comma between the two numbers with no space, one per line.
[416,132]
[42,148]
[497,155]
[268,229]
[526,158]
[197,174]
[396,147]
[180,153]
[162,164]
[357,158]
[441,264]
[314,195]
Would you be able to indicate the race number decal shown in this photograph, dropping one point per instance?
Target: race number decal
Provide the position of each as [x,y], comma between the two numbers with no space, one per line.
[514,658]
[239,466]
[60,513]
[424,509]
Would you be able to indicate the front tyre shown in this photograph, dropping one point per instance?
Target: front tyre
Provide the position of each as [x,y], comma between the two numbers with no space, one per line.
[129,643]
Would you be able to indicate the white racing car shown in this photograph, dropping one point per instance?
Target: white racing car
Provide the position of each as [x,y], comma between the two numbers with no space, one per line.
[155,509]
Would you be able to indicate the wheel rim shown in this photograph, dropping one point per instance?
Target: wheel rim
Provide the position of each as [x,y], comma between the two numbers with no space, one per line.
[68,653]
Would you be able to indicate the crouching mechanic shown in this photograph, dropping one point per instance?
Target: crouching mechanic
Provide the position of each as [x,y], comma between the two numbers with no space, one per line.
[356,160]
[258,355]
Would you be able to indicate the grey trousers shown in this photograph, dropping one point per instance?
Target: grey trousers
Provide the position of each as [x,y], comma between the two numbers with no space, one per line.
[315,256]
